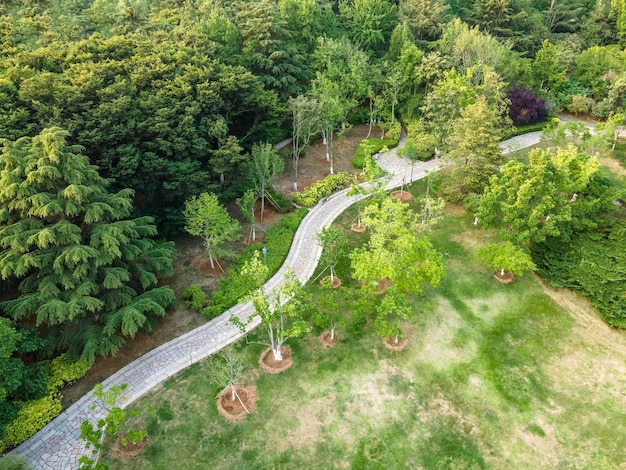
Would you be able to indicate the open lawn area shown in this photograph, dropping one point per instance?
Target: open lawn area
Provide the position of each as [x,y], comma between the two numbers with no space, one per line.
[502,376]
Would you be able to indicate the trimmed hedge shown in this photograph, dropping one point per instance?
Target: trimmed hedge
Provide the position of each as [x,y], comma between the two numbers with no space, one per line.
[323,188]
[33,416]
[62,371]
[278,242]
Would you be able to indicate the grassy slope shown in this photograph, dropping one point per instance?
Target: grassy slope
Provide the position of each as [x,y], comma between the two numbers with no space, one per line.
[495,376]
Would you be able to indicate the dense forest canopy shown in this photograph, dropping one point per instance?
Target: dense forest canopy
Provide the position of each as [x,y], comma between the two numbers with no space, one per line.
[125,109]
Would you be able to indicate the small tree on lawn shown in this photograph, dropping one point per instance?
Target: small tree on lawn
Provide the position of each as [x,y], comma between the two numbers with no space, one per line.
[207,218]
[505,257]
[113,424]
[227,370]
[327,314]
[392,310]
[246,204]
[333,242]
[280,311]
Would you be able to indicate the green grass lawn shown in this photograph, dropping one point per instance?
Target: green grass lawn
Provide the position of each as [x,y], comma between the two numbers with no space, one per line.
[494,376]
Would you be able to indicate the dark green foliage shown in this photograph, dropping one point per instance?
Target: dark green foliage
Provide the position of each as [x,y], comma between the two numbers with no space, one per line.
[88,274]
[594,264]
[278,242]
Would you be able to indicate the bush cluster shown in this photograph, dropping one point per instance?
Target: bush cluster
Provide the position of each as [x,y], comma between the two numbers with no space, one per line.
[323,188]
[278,242]
[373,146]
[195,298]
[35,414]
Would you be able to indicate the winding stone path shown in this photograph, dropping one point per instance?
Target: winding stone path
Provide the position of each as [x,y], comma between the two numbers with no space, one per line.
[58,445]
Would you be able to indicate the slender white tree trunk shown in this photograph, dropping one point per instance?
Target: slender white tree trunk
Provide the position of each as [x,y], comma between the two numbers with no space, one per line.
[475,220]
[502,272]
[211,260]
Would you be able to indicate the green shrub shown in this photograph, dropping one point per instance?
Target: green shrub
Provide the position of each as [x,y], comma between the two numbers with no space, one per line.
[33,416]
[63,371]
[14,462]
[195,297]
[393,133]
[373,146]
[278,242]
[323,188]
[282,202]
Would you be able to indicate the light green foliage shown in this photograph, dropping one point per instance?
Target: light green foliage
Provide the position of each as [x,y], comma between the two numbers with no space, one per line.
[87,272]
[267,165]
[329,308]
[113,424]
[227,369]
[597,67]
[208,219]
[280,311]
[395,251]
[425,18]
[63,371]
[547,72]
[505,257]
[195,297]
[553,195]
[305,122]
[14,462]
[419,144]
[33,416]
[333,242]
[474,150]
[322,188]
[390,312]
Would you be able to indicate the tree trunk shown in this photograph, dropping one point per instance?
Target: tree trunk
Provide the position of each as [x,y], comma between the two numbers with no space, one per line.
[502,272]
[475,220]
[369,131]
[262,201]
[278,353]
[397,339]
[211,260]
[332,333]
[222,177]
[232,392]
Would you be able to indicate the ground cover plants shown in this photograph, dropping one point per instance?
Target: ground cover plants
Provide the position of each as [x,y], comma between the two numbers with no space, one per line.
[494,376]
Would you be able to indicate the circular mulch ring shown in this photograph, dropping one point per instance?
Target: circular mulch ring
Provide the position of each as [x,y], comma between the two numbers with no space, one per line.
[203,263]
[233,410]
[248,240]
[271,365]
[393,346]
[357,228]
[401,195]
[508,277]
[129,451]
[336,281]
[327,340]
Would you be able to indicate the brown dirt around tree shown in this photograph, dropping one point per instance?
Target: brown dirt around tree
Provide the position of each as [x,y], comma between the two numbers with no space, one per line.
[401,195]
[129,451]
[233,410]
[327,340]
[382,286]
[335,284]
[391,344]
[359,229]
[506,279]
[271,365]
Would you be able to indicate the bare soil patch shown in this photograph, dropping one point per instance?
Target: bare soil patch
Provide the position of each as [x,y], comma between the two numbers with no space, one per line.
[336,282]
[359,229]
[394,345]
[505,278]
[235,410]
[401,195]
[270,365]
[129,451]
[327,339]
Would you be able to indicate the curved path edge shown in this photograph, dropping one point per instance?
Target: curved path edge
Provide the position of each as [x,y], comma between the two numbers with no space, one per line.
[58,444]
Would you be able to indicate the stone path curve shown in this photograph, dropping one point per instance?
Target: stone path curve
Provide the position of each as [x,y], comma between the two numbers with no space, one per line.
[58,446]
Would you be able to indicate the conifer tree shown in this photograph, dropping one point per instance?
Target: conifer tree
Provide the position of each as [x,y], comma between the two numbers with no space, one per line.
[86,273]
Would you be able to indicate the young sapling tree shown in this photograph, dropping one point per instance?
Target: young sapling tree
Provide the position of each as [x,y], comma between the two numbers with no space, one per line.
[280,311]
[246,204]
[227,370]
[207,218]
[392,310]
[327,314]
[333,242]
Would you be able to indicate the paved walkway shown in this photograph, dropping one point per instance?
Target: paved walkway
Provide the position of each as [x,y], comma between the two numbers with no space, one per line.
[58,445]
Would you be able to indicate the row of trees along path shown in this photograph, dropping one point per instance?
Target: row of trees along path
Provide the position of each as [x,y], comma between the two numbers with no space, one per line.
[58,445]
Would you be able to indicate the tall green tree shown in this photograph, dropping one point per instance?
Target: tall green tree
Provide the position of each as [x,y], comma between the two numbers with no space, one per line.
[208,219]
[368,22]
[305,122]
[267,165]
[88,273]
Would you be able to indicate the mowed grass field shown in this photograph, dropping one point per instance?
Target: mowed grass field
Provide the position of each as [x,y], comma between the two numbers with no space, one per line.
[517,376]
